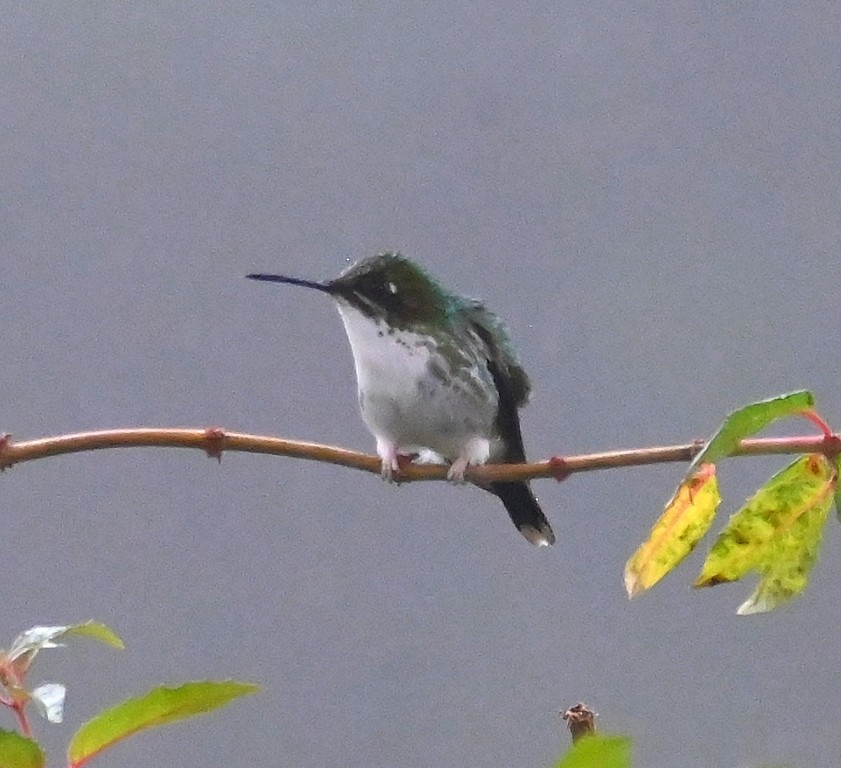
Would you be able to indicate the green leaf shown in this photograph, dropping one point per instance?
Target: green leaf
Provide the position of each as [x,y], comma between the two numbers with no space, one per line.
[777,533]
[97,631]
[685,520]
[159,706]
[17,751]
[598,752]
[748,421]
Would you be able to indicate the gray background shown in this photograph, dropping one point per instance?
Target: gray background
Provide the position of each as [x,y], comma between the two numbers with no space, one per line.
[647,192]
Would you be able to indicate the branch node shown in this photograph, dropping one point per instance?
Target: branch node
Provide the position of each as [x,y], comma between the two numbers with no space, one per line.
[560,468]
[5,442]
[832,446]
[215,443]
[404,461]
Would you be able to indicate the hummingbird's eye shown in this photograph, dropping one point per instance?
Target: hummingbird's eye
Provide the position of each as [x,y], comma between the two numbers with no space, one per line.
[392,288]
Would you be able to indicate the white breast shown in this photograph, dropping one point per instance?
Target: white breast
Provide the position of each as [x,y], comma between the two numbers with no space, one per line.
[400,398]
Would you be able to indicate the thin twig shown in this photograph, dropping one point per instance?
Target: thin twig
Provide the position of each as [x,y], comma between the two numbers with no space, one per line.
[215,441]
[581,721]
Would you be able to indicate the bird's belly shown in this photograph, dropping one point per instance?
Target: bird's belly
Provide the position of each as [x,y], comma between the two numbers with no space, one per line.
[408,395]
[418,413]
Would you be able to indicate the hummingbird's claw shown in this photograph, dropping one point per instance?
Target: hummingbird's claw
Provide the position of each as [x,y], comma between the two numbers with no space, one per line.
[389,469]
[455,474]
[393,463]
[476,451]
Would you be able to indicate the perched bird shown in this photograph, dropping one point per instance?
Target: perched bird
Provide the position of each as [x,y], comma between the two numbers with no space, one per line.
[436,372]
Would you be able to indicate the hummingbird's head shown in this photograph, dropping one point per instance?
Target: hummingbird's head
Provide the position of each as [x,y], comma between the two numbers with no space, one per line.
[387,287]
[392,288]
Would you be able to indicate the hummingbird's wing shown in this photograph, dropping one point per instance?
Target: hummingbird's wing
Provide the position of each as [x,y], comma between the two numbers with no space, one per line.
[511,381]
[509,374]
[513,387]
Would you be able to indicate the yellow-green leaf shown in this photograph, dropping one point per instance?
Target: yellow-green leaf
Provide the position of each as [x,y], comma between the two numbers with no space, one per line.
[97,631]
[17,751]
[837,488]
[777,533]
[685,520]
[748,421]
[785,574]
[159,706]
[598,752]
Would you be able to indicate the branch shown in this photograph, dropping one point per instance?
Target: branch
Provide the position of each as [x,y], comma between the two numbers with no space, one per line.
[215,441]
[581,721]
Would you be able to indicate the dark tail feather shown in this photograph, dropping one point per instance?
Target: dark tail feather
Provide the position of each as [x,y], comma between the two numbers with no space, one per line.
[525,512]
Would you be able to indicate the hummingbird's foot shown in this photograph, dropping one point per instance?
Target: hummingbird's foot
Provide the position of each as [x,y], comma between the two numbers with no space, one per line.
[390,464]
[477,451]
[390,471]
[455,474]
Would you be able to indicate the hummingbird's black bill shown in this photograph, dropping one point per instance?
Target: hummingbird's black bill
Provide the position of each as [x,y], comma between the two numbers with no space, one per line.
[325,287]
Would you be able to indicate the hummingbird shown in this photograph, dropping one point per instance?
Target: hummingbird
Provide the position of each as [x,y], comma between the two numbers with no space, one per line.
[435,372]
